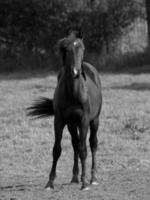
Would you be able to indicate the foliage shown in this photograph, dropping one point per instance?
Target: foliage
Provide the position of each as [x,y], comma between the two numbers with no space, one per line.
[148,20]
[36,25]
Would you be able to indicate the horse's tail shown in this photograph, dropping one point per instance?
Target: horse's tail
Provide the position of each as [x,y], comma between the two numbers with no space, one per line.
[41,108]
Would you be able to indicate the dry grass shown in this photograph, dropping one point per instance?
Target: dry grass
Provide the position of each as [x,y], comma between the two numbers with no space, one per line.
[124,141]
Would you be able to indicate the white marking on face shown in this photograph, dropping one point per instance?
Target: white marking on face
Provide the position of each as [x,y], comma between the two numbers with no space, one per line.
[75,43]
[75,71]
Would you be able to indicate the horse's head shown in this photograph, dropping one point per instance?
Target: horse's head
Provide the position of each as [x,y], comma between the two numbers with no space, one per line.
[72,52]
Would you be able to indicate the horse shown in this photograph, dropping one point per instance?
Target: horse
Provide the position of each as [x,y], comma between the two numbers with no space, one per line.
[76,104]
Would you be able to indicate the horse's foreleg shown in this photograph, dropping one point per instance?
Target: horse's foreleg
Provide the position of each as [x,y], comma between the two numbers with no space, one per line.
[83,129]
[93,144]
[58,128]
[75,143]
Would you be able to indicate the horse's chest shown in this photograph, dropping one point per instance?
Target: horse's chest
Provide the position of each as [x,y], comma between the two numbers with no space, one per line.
[72,101]
[80,92]
[72,113]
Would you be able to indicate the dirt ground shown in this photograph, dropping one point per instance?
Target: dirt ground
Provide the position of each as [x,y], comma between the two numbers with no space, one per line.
[123,157]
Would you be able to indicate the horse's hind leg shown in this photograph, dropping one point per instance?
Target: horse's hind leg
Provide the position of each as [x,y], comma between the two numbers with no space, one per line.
[93,144]
[83,129]
[58,128]
[75,143]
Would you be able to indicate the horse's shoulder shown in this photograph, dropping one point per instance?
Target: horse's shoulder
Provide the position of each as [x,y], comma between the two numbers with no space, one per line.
[91,72]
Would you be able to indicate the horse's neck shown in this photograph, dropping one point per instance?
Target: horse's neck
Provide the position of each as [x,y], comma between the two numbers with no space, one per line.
[69,84]
[75,89]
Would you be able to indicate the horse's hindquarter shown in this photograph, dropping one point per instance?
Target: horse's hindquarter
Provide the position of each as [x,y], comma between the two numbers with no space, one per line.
[94,98]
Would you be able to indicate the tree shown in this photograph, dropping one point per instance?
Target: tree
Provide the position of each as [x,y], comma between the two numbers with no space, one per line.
[34,24]
[147,2]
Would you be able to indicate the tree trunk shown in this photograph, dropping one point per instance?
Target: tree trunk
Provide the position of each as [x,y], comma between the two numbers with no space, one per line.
[148,19]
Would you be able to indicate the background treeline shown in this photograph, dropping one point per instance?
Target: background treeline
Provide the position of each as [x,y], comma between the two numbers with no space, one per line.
[30,29]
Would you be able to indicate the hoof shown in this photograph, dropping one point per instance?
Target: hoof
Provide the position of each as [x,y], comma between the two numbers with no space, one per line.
[75,180]
[94,183]
[49,186]
[85,188]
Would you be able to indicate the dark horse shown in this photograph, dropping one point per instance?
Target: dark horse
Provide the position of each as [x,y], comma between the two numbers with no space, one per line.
[77,103]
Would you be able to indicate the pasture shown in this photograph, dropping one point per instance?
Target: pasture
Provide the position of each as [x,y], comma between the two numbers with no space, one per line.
[123,156]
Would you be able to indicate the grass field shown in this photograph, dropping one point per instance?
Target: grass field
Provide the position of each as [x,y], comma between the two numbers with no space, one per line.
[123,156]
